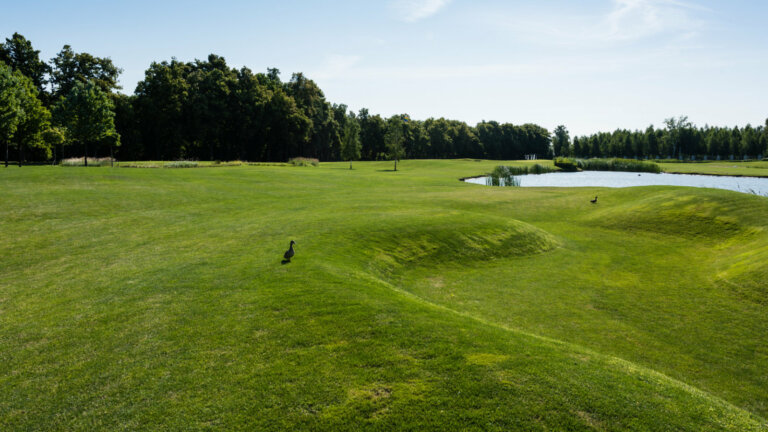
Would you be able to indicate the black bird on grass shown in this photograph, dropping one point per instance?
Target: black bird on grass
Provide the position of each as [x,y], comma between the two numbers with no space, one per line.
[594,200]
[289,253]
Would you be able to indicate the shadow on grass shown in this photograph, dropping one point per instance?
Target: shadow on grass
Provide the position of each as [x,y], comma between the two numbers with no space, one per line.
[285,261]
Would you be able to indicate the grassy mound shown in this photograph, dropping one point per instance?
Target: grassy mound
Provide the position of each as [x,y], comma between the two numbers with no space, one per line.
[698,218]
[445,239]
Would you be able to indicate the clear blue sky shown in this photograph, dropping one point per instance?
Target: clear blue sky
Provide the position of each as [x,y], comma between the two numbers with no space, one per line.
[591,65]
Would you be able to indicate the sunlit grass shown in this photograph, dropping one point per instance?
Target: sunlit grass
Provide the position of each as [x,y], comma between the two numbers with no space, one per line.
[156,299]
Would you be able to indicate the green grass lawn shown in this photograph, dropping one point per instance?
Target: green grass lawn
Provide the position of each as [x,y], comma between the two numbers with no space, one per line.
[155,299]
[751,169]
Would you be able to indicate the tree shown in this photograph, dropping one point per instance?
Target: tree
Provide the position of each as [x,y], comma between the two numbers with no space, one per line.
[22,116]
[561,141]
[88,114]
[350,141]
[490,135]
[394,139]
[325,131]
[54,137]
[17,52]
[70,68]
[288,130]
[35,120]
[372,131]
[678,135]
[11,112]
[161,99]
[248,119]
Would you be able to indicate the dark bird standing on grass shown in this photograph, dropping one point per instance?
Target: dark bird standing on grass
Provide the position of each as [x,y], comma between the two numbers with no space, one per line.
[289,253]
[594,200]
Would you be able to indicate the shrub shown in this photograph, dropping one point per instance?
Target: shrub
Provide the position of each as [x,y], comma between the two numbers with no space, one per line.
[302,161]
[567,164]
[181,164]
[616,164]
[80,161]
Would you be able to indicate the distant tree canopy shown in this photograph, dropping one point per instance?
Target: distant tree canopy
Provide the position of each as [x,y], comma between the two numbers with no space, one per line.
[205,109]
[679,140]
[17,52]
[69,68]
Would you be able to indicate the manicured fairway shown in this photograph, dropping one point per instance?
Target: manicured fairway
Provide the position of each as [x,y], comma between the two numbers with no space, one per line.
[751,169]
[155,299]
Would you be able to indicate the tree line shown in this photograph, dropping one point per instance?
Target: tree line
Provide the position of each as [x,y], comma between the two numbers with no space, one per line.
[206,110]
[680,139]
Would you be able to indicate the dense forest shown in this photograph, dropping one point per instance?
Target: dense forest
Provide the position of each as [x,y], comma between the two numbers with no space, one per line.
[206,110]
[680,139]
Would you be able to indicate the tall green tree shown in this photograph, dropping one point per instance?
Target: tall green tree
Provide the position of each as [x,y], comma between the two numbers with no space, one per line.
[490,134]
[249,129]
[160,107]
[350,141]
[87,112]
[36,119]
[325,131]
[372,131]
[70,68]
[289,128]
[23,118]
[211,107]
[678,135]
[54,138]
[11,107]
[18,53]
[394,139]
[561,141]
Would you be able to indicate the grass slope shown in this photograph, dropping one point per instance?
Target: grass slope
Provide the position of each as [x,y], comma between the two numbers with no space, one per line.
[155,299]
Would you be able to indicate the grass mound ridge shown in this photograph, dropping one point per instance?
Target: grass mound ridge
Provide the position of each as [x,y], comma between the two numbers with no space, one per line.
[451,240]
[661,394]
[674,214]
[746,270]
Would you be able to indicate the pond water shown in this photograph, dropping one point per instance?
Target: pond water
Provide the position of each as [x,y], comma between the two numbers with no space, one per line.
[754,185]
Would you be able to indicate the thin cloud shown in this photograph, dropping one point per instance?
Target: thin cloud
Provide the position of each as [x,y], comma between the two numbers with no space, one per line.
[335,66]
[636,19]
[415,10]
[624,21]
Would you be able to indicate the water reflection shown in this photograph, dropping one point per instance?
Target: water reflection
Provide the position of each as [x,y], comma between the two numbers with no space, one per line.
[753,185]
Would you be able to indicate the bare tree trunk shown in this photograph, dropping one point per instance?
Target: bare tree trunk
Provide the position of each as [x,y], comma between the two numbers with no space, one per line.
[20,155]
[85,148]
[6,154]
[395,164]
[111,159]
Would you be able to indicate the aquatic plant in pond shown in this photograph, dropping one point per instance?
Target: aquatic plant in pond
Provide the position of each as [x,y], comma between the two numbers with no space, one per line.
[502,181]
[505,171]
[504,175]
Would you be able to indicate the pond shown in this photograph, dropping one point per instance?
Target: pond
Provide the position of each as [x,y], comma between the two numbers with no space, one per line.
[753,185]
